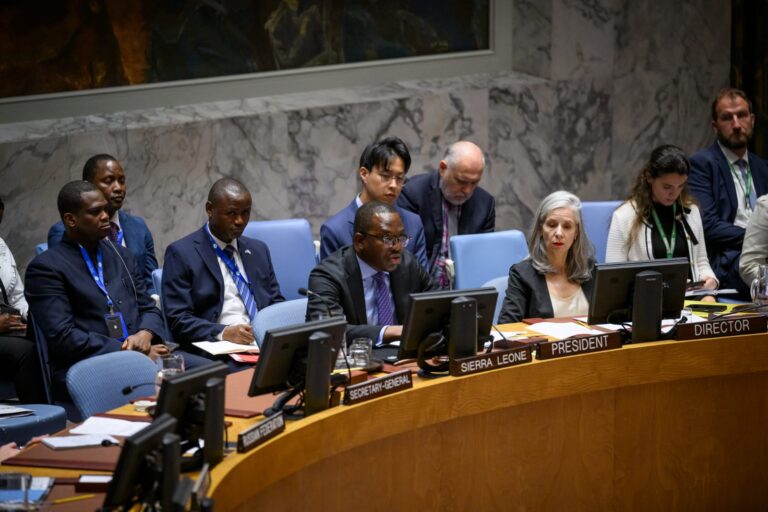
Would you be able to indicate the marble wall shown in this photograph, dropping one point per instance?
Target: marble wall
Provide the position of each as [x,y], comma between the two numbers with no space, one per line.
[595,85]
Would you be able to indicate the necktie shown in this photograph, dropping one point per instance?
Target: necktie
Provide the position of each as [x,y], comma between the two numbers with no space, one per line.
[5,294]
[742,165]
[242,288]
[384,305]
[114,229]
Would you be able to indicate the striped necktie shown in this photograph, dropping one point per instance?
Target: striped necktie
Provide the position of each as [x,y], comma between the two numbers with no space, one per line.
[242,287]
[742,165]
[384,306]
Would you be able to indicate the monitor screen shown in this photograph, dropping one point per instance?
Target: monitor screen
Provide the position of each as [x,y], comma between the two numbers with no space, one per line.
[430,312]
[148,467]
[613,290]
[196,399]
[289,358]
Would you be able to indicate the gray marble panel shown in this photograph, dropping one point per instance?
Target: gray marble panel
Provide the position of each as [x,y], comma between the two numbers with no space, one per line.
[532,37]
[582,39]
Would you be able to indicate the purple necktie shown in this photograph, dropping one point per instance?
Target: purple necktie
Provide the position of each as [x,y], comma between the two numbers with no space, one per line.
[384,305]
[113,231]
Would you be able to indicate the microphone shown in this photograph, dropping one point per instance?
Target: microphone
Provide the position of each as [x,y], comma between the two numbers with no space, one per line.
[673,330]
[129,389]
[309,293]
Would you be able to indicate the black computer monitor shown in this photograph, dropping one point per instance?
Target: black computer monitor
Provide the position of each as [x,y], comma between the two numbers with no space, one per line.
[148,468]
[613,290]
[299,358]
[196,399]
[430,313]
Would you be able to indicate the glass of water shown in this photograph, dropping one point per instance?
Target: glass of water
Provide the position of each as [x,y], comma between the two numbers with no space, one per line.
[170,365]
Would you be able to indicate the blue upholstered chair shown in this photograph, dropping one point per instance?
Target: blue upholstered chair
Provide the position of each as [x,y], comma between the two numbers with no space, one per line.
[47,419]
[500,283]
[291,248]
[40,248]
[597,221]
[96,384]
[481,257]
[280,314]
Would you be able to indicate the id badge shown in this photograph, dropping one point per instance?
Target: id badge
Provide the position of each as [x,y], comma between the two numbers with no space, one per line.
[116,326]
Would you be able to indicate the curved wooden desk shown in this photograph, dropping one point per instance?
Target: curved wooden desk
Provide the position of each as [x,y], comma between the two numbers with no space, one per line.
[659,426]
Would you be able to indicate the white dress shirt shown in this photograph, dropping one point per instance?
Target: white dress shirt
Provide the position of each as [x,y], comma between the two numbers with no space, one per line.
[233,309]
[14,287]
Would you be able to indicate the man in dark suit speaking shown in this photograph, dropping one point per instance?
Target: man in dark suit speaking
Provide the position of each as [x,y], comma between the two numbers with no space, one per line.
[86,294]
[369,281]
[215,280]
[450,202]
[727,179]
[130,231]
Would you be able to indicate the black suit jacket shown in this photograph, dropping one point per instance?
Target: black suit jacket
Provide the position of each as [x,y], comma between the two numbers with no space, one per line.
[339,281]
[527,294]
[422,195]
[711,182]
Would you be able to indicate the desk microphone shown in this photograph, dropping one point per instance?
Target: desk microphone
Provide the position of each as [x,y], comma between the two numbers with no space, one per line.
[129,389]
[309,293]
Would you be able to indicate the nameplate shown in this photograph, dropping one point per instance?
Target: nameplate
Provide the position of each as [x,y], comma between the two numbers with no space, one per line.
[260,433]
[378,387]
[579,345]
[491,361]
[752,324]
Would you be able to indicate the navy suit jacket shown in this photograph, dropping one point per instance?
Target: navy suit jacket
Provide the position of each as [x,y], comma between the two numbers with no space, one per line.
[421,195]
[138,240]
[711,182]
[69,307]
[193,287]
[338,230]
[338,279]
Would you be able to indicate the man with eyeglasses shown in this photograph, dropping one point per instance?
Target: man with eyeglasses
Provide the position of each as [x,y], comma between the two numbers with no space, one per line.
[727,179]
[450,202]
[383,166]
[369,281]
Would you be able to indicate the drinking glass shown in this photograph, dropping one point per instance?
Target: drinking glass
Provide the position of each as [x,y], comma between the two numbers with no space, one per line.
[170,365]
[360,352]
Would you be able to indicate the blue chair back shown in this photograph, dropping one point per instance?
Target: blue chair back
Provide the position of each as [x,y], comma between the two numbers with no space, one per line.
[279,314]
[96,384]
[500,283]
[480,257]
[597,221]
[40,248]
[291,248]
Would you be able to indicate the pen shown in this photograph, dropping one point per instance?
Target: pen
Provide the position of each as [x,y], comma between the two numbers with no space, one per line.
[73,498]
[583,324]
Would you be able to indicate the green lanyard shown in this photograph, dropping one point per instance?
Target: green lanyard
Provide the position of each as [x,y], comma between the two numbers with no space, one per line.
[669,245]
[745,187]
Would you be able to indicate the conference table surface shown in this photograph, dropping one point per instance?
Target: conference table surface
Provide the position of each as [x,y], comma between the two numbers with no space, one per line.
[669,425]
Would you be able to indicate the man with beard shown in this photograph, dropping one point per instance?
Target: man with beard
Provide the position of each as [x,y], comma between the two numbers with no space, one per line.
[127,230]
[370,280]
[727,179]
[215,281]
[450,202]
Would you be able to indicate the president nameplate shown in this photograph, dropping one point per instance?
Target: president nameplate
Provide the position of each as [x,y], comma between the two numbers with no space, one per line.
[378,387]
[491,361]
[260,433]
[579,345]
[734,326]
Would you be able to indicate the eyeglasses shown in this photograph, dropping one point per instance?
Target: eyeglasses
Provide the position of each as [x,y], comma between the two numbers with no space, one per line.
[390,240]
[387,177]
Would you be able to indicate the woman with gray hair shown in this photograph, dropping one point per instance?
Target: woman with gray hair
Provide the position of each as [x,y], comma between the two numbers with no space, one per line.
[556,279]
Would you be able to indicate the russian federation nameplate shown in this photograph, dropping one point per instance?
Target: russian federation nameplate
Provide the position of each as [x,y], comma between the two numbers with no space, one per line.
[260,433]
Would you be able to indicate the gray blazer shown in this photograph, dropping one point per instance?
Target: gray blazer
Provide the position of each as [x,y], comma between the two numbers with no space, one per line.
[754,252]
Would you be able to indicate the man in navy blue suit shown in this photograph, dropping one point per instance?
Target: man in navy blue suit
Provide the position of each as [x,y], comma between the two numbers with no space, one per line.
[215,280]
[450,202]
[727,179]
[127,230]
[383,166]
[86,294]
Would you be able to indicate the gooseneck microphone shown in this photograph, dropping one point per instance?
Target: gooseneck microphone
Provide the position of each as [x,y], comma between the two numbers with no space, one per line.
[129,389]
[309,293]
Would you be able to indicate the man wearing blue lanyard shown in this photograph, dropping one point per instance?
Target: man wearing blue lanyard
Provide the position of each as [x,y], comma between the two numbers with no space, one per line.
[727,179]
[215,280]
[86,294]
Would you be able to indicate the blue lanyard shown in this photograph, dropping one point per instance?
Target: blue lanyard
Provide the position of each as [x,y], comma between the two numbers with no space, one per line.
[119,236]
[97,276]
[229,262]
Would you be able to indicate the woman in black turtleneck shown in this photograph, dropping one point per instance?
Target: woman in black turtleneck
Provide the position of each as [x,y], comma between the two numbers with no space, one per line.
[660,220]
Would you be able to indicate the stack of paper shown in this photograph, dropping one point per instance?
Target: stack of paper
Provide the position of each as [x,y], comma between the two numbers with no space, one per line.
[218,348]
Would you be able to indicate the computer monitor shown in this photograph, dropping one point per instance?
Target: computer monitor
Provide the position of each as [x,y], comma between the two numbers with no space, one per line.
[430,313]
[299,358]
[613,290]
[196,399]
[148,468]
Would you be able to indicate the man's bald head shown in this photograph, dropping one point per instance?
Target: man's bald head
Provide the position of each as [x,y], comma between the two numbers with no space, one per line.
[460,171]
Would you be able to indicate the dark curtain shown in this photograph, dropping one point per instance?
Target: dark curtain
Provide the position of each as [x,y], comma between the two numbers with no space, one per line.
[749,62]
